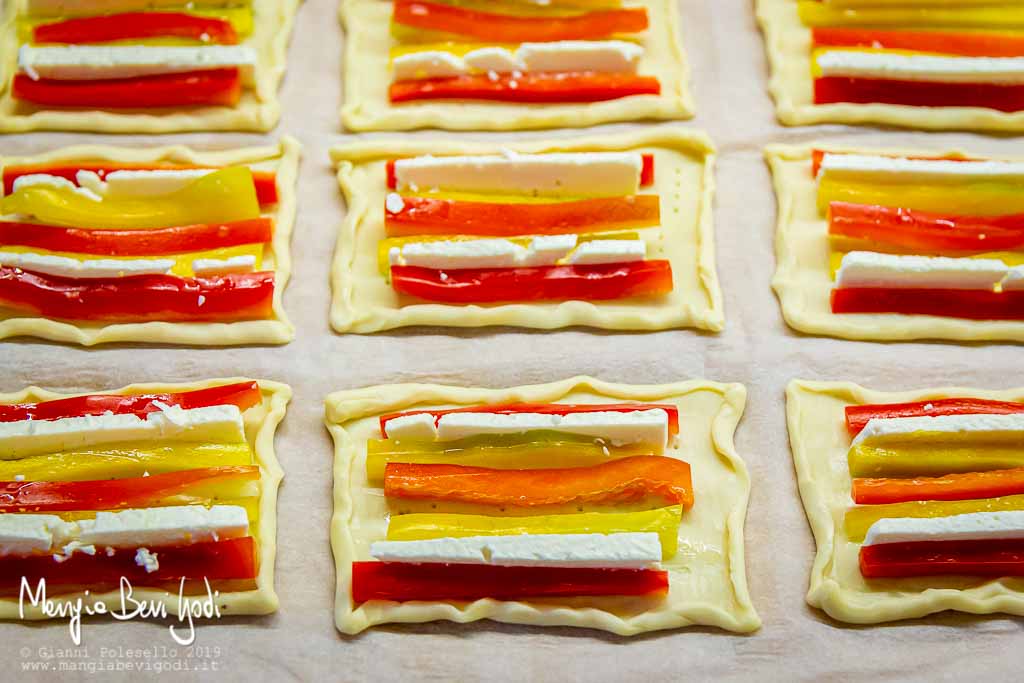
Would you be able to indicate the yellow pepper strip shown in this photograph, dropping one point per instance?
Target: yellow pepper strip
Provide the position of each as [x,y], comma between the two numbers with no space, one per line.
[182,262]
[859,519]
[119,461]
[529,451]
[813,13]
[421,526]
[251,505]
[1010,258]
[963,199]
[910,460]
[530,8]
[225,195]
[384,246]
[239,17]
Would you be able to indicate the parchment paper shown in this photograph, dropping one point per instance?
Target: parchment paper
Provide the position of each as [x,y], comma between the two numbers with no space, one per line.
[300,642]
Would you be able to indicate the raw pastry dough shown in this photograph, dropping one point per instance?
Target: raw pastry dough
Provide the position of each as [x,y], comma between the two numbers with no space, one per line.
[707,578]
[684,177]
[257,110]
[260,425]
[367,77]
[282,158]
[819,440]
[802,279]
[791,85]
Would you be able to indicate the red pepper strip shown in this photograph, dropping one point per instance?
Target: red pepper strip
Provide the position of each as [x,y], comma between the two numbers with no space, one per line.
[931,558]
[551,88]
[818,154]
[401,581]
[857,417]
[241,394]
[484,26]
[154,242]
[551,283]
[946,303]
[229,559]
[545,409]
[426,216]
[222,87]
[646,172]
[834,89]
[265,182]
[967,486]
[136,26]
[114,494]
[226,298]
[943,42]
[920,231]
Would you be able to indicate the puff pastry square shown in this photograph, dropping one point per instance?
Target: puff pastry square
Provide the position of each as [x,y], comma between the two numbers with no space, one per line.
[788,42]
[802,278]
[364,302]
[707,578]
[368,41]
[261,423]
[282,158]
[258,109]
[820,441]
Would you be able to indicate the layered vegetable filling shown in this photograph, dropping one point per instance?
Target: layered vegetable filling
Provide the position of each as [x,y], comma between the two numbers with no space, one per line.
[525,501]
[938,487]
[128,54]
[159,489]
[934,53]
[522,227]
[560,51]
[924,236]
[104,242]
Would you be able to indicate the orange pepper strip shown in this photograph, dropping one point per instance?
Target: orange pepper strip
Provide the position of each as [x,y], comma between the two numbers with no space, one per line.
[620,481]
[971,485]
[976,44]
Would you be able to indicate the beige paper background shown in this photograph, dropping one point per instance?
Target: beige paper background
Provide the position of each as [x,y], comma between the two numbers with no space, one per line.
[300,642]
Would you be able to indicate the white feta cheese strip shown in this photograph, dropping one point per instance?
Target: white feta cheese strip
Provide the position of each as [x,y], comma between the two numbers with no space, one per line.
[26,534]
[859,166]
[983,428]
[1014,280]
[56,182]
[926,68]
[870,269]
[164,526]
[605,56]
[93,62]
[624,550]
[57,8]
[222,423]
[974,526]
[496,59]
[560,173]
[129,183]
[63,266]
[419,426]
[244,263]
[609,251]
[639,426]
[543,250]
[427,64]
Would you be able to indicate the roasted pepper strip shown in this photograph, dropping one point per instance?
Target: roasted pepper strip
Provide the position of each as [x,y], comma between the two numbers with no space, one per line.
[136,26]
[399,581]
[491,285]
[537,88]
[975,44]
[948,303]
[242,394]
[214,87]
[225,298]
[933,558]
[620,481]
[838,89]
[223,196]
[970,485]
[484,26]
[857,417]
[187,486]
[859,519]
[931,459]
[428,216]
[151,242]
[646,172]
[663,521]
[922,232]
